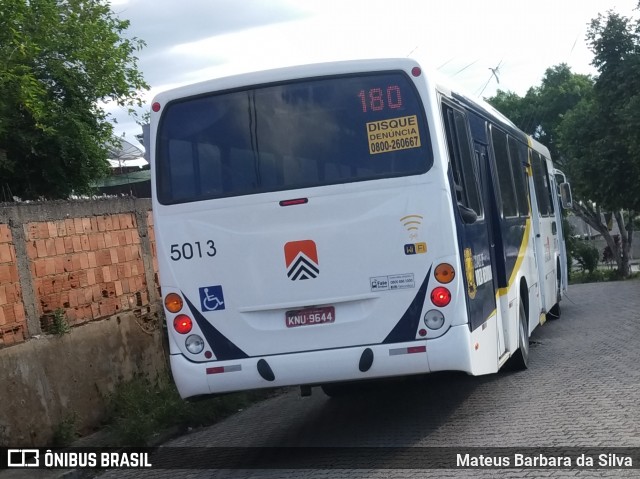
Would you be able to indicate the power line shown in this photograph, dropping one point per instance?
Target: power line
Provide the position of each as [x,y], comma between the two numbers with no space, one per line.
[445,63]
[414,49]
[464,68]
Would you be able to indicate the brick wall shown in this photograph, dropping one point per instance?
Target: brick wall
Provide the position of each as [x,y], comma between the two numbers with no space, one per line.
[154,252]
[86,260]
[89,267]
[12,314]
[93,264]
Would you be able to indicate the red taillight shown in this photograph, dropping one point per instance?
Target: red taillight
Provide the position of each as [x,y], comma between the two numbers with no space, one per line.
[440,296]
[156,107]
[416,71]
[182,324]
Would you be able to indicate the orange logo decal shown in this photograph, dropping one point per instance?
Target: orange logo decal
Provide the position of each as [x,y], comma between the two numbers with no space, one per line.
[301,258]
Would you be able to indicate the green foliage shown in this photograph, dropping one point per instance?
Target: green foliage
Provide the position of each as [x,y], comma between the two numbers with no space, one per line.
[541,111]
[520,110]
[140,409]
[560,91]
[58,60]
[596,276]
[59,323]
[587,256]
[600,135]
[591,125]
[571,244]
[66,431]
[599,275]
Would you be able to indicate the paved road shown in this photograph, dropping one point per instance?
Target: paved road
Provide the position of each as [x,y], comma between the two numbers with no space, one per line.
[582,389]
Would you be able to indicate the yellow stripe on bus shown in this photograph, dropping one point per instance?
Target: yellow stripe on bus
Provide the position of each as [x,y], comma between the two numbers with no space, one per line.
[521,255]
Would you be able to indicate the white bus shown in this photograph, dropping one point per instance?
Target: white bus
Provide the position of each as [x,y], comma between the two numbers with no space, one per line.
[324,224]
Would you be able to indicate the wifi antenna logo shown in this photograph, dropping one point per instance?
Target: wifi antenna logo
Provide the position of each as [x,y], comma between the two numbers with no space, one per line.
[412,224]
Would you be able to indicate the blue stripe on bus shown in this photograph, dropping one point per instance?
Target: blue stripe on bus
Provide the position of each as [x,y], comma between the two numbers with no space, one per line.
[222,347]
[406,328]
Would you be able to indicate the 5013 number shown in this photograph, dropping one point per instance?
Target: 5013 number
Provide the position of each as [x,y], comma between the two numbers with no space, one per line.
[193,250]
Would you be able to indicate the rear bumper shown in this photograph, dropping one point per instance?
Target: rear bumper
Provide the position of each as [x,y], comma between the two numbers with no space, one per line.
[318,367]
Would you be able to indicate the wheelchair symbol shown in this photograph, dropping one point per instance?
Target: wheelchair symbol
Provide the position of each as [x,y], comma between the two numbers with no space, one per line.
[211,298]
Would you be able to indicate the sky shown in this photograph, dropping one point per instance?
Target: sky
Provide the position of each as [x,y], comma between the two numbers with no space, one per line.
[195,40]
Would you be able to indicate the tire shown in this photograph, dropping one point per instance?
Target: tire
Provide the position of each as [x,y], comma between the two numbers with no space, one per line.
[520,359]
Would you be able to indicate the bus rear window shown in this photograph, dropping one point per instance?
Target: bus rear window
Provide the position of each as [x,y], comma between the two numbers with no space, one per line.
[291,135]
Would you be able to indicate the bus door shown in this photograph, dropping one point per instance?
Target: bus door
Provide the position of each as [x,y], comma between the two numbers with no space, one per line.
[474,233]
[497,259]
[546,231]
[538,248]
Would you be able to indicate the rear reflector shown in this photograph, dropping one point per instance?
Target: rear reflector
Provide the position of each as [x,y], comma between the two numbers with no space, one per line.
[225,369]
[410,350]
[417,349]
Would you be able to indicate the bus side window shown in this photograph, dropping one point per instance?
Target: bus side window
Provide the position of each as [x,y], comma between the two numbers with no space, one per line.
[518,152]
[547,183]
[505,175]
[461,160]
[541,184]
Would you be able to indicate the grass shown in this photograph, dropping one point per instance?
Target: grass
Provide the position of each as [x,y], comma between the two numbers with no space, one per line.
[598,275]
[59,323]
[66,431]
[140,410]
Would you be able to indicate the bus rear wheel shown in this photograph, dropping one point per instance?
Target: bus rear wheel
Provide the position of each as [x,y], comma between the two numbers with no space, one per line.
[520,359]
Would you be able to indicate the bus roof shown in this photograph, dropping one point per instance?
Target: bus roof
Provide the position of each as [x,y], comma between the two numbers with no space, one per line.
[288,73]
[479,105]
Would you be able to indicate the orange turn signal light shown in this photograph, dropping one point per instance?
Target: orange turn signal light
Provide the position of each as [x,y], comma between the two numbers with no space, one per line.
[444,273]
[173,302]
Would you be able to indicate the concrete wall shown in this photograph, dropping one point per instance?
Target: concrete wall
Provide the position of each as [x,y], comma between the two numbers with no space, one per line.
[92,262]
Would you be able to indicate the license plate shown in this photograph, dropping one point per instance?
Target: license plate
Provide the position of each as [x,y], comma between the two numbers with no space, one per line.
[310,316]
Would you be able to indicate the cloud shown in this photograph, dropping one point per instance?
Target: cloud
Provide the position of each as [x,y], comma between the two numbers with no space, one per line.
[176,35]
[194,40]
[164,25]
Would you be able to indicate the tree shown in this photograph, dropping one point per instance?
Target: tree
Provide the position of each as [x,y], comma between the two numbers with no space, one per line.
[58,60]
[591,125]
[600,135]
[540,112]
[520,110]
